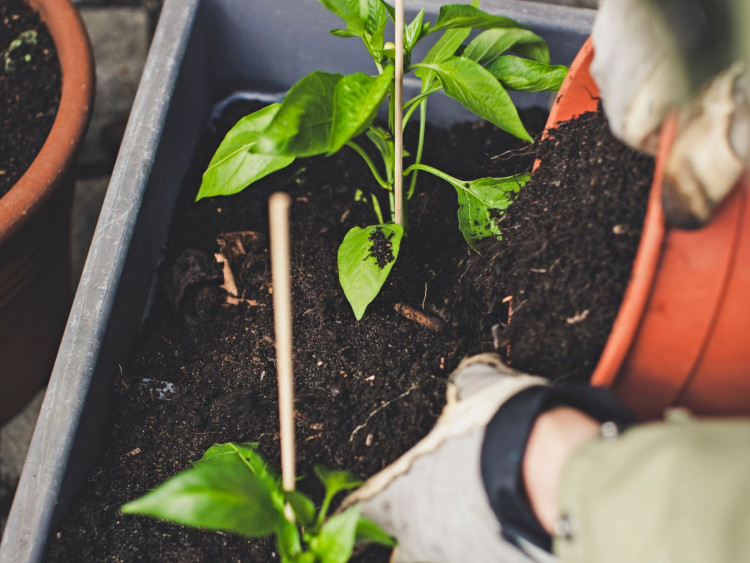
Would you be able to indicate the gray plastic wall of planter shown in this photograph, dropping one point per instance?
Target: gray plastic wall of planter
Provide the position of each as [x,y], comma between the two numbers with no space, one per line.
[202,50]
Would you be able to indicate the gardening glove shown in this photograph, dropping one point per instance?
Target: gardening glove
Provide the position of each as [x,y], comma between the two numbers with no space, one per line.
[458,495]
[638,67]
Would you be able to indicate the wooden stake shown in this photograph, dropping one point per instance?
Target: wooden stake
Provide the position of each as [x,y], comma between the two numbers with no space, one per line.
[278,210]
[398,118]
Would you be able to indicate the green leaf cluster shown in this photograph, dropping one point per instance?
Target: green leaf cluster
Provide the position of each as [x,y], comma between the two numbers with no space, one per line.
[324,112]
[233,489]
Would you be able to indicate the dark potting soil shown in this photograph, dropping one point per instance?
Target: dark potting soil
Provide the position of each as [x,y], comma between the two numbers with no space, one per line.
[569,242]
[30,89]
[366,391]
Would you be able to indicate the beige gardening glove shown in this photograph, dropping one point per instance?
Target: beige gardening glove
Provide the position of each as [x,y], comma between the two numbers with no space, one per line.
[432,498]
[639,69]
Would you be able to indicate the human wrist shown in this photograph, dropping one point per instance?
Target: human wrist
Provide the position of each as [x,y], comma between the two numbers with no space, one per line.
[556,434]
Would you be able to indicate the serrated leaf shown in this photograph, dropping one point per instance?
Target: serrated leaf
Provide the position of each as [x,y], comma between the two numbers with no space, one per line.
[480,202]
[527,76]
[356,100]
[303,507]
[335,542]
[413,32]
[476,89]
[359,273]
[489,45]
[444,48]
[453,16]
[302,125]
[234,166]
[214,495]
[369,532]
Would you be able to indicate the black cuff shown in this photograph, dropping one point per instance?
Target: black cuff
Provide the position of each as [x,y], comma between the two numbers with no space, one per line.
[504,446]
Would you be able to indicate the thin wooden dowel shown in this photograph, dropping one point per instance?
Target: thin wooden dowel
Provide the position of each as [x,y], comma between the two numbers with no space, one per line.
[398,118]
[278,210]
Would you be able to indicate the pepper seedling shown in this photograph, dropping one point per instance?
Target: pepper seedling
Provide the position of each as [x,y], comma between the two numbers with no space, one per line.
[325,112]
[233,489]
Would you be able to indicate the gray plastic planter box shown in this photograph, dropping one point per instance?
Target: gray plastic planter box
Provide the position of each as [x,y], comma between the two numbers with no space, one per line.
[201,51]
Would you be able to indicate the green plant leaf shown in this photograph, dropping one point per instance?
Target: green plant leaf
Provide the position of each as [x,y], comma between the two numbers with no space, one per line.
[356,100]
[527,76]
[335,541]
[369,532]
[444,48]
[385,147]
[235,166]
[452,16]
[364,18]
[302,126]
[246,454]
[490,44]
[337,481]
[413,32]
[220,494]
[480,203]
[303,507]
[475,88]
[359,273]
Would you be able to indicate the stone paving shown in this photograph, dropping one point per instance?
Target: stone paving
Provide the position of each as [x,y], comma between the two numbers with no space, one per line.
[120,32]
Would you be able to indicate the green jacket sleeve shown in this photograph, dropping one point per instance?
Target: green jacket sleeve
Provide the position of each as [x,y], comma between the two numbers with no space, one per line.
[674,492]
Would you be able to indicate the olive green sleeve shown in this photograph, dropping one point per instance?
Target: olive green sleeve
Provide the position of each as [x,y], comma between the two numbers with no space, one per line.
[671,492]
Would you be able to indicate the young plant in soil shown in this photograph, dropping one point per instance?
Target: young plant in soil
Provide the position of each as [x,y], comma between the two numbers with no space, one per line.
[324,112]
[233,489]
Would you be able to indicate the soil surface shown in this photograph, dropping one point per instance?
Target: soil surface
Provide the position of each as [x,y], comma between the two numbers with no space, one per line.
[366,391]
[30,89]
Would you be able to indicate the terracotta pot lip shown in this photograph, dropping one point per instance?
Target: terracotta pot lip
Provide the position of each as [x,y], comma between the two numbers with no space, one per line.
[57,153]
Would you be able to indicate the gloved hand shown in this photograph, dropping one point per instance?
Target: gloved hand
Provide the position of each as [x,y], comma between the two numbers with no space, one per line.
[461,494]
[432,498]
[642,78]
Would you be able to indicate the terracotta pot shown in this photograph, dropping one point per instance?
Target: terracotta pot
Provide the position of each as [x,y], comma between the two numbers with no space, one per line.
[35,288]
[681,335]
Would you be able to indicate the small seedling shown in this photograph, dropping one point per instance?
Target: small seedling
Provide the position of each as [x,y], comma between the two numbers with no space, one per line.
[10,59]
[324,112]
[233,489]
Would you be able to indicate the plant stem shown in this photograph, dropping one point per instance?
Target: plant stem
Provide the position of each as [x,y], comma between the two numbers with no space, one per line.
[361,152]
[376,208]
[282,305]
[398,132]
[420,146]
[440,174]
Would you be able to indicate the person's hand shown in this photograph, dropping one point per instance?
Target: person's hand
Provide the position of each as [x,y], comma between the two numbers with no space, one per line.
[432,499]
[642,78]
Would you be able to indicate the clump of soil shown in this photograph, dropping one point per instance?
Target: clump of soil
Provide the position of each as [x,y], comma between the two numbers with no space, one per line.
[366,391]
[569,242]
[30,87]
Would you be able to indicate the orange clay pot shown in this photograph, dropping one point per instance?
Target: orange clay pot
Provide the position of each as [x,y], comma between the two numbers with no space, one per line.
[35,224]
[682,335]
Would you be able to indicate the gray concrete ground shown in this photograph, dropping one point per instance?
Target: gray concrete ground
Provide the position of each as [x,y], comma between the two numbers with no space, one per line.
[120,31]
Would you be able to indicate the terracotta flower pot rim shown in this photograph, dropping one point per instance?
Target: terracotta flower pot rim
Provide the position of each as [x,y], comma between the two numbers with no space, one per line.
[55,156]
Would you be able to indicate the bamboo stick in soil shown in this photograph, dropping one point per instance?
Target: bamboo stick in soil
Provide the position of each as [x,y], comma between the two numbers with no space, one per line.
[398,127]
[278,208]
